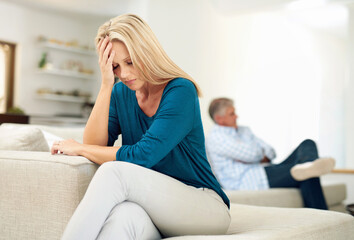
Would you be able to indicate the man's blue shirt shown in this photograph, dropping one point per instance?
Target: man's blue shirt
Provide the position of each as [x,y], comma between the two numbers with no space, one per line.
[170,142]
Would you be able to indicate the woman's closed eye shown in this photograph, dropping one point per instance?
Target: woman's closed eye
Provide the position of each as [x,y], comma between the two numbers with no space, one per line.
[127,62]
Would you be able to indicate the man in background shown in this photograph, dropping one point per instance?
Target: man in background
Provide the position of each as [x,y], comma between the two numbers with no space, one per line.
[236,156]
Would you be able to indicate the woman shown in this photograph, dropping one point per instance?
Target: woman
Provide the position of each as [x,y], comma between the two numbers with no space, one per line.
[159,181]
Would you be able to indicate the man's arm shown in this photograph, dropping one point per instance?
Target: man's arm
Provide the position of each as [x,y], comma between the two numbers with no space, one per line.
[243,150]
[268,151]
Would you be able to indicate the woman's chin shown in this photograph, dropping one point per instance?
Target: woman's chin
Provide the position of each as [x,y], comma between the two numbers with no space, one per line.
[131,87]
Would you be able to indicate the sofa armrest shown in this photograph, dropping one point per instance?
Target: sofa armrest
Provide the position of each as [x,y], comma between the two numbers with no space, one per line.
[39,192]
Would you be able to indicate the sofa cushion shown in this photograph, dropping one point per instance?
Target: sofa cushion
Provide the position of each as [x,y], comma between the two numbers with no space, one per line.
[274,197]
[263,223]
[22,139]
[335,194]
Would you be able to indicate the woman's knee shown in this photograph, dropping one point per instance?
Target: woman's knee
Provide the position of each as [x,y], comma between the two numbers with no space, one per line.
[130,212]
[112,167]
[104,170]
[116,171]
[129,220]
[108,172]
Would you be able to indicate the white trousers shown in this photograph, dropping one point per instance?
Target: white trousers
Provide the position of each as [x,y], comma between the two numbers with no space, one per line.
[126,201]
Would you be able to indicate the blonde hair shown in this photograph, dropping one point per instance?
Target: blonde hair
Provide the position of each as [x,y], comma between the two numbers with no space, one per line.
[145,51]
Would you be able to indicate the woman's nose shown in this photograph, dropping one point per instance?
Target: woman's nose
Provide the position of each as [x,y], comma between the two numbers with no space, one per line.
[124,72]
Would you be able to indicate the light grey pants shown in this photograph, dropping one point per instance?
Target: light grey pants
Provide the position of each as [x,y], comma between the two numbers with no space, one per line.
[128,221]
[121,192]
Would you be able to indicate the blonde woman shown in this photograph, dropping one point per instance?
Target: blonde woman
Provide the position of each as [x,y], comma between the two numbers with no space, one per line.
[159,182]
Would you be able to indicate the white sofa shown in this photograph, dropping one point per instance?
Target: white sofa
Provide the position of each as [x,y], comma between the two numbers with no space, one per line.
[40,191]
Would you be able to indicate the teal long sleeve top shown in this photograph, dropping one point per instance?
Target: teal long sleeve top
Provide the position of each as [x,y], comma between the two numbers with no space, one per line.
[171,141]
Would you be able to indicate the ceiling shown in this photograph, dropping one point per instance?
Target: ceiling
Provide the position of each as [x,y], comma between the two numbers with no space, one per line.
[116,7]
[84,7]
[111,8]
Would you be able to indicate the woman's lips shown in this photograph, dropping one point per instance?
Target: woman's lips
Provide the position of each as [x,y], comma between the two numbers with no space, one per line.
[130,81]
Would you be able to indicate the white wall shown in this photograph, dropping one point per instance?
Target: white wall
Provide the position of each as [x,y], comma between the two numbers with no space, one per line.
[22,25]
[190,33]
[349,98]
[287,78]
[332,56]
[287,81]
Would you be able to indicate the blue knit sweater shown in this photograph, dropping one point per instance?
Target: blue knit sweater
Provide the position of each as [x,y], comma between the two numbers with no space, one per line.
[170,142]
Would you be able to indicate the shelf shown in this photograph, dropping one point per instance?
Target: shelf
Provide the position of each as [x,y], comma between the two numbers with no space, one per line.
[61,98]
[67,73]
[58,121]
[68,49]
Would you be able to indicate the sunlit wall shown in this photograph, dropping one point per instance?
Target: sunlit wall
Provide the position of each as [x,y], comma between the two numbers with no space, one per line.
[287,76]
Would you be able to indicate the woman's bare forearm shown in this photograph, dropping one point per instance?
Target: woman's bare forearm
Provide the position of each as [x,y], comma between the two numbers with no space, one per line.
[98,154]
[96,130]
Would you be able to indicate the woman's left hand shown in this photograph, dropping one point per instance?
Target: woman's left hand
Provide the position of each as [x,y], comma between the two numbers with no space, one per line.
[67,147]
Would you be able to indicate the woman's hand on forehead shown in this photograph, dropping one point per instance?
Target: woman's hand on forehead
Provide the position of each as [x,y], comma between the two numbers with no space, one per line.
[105,60]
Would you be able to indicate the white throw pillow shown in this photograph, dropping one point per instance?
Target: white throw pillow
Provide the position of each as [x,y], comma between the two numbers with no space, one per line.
[24,139]
[49,137]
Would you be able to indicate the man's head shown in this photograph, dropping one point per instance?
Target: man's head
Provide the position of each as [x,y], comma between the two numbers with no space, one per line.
[222,111]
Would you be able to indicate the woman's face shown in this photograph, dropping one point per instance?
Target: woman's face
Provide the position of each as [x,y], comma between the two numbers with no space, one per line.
[124,68]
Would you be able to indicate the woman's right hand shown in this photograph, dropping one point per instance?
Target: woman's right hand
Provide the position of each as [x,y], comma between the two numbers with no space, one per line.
[105,59]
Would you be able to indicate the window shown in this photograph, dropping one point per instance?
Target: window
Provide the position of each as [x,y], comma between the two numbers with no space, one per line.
[7,66]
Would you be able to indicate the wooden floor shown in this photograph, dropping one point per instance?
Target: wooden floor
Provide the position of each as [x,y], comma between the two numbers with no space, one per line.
[349,171]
